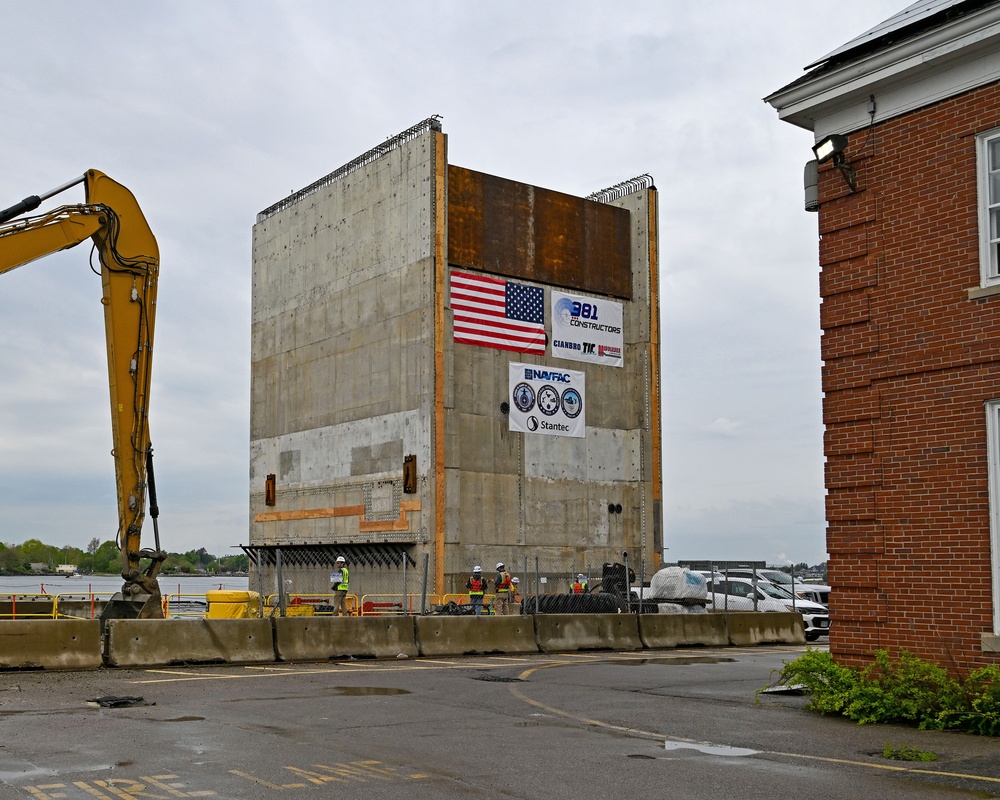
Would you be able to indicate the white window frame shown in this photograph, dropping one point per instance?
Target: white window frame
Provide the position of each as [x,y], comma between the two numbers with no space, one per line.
[993,458]
[989,244]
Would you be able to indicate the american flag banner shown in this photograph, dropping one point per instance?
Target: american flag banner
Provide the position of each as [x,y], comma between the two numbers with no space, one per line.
[491,312]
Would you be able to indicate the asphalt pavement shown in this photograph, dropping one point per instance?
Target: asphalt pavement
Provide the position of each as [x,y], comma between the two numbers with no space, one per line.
[686,723]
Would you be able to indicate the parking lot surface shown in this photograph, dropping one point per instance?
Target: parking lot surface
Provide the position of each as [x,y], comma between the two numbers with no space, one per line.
[684,723]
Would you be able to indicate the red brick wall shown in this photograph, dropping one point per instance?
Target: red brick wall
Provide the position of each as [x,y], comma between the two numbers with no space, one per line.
[909,361]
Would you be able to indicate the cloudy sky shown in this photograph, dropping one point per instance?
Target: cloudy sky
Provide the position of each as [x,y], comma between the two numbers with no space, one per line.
[211,111]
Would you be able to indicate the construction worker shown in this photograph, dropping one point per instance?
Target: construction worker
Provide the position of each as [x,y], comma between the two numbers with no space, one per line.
[514,588]
[501,591]
[339,584]
[477,588]
[580,584]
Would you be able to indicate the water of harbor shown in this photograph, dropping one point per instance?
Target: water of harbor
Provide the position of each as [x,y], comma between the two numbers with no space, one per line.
[108,584]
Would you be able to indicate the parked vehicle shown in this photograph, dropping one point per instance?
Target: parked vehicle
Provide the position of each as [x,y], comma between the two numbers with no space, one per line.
[740,594]
[816,592]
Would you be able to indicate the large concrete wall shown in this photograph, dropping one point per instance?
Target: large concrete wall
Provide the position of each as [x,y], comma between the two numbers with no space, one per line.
[345,336]
[342,358]
[510,494]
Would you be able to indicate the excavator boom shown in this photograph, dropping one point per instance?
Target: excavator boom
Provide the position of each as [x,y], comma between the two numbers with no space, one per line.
[130,261]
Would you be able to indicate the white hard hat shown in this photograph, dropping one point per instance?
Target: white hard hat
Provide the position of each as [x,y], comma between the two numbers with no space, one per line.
[341,559]
[581,577]
[515,580]
[499,565]
[477,568]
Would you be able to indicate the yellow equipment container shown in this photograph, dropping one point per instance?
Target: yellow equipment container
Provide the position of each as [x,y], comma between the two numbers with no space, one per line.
[228,604]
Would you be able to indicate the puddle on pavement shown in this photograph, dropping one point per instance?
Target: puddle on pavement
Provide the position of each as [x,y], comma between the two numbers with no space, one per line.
[681,661]
[709,749]
[184,719]
[365,691]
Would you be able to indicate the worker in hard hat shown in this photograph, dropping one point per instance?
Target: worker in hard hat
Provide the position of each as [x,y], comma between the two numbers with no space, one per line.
[580,584]
[515,586]
[476,585]
[501,591]
[339,585]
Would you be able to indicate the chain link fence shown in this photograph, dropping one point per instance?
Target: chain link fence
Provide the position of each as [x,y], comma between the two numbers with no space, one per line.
[409,588]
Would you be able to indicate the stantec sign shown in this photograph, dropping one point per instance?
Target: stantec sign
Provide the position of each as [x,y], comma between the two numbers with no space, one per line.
[545,400]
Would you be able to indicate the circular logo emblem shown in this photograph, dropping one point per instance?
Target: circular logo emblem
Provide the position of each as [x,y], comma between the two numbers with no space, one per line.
[524,397]
[532,423]
[548,400]
[563,311]
[572,403]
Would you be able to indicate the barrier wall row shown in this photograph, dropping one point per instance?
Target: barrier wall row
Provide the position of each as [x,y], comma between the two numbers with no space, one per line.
[76,644]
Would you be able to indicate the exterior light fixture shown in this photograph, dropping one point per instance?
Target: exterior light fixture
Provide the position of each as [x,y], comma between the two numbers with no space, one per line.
[832,148]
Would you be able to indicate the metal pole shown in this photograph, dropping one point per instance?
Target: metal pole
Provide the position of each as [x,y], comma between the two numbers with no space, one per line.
[406,604]
[423,598]
[281,583]
[535,610]
[628,587]
[260,584]
[642,578]
[524,572]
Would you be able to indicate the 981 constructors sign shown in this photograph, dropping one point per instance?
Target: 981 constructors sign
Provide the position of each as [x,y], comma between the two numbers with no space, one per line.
[587,329]
[547,400]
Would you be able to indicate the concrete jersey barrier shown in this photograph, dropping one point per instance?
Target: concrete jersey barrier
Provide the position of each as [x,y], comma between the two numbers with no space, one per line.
[566,632]
[157,642]
[456,636]
[749,628]
[50,644]
[76,644]
[323,638]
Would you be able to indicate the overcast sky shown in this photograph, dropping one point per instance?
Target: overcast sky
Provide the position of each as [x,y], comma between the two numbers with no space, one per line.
[211,111]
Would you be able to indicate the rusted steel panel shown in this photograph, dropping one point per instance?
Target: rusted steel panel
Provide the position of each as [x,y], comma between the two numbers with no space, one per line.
[522,231]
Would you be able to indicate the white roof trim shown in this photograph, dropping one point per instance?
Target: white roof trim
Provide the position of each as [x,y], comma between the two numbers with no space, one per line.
[967,39]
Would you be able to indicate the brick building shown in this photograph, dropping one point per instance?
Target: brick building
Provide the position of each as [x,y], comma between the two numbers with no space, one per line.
[909,224]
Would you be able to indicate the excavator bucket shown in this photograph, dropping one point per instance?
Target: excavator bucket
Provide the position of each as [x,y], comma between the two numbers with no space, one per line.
[140,606]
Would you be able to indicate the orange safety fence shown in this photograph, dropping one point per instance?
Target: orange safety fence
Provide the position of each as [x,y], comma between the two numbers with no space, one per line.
[313,604]
[91,603]
[30,604]
[183,606]
[375,605]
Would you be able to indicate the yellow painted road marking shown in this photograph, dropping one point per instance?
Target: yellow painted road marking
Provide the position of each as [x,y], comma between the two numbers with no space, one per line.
[267,784]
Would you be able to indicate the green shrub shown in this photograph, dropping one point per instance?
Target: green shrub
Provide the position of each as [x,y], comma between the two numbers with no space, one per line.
[906,689]
[982,715]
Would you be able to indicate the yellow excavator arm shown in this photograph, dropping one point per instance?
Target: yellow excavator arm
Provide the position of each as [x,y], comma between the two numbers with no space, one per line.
[130,264]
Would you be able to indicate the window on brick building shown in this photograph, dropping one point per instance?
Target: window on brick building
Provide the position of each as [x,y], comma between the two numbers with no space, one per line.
[988,160]
[993,448]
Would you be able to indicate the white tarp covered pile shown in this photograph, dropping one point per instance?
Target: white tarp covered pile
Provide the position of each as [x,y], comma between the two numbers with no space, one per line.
[682,586]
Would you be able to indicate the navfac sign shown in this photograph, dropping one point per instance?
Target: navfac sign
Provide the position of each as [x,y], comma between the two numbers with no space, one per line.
[546,400]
